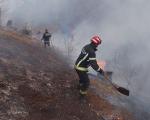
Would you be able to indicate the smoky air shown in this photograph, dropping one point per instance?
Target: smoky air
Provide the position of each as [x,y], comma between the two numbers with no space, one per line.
[122,25]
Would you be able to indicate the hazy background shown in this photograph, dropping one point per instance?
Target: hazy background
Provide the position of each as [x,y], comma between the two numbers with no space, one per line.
[122,24]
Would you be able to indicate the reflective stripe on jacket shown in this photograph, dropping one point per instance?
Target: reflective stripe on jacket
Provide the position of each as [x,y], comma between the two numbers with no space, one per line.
[87,58]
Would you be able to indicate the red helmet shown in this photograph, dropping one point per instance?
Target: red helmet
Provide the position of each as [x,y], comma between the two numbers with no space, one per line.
[96,40]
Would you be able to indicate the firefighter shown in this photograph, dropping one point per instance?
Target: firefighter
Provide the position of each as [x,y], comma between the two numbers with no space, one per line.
[46,37]
[87,58]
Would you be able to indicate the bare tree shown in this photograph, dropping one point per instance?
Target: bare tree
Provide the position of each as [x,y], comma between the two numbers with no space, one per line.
[124,66]
[69,46]
[0,16]
[3,10]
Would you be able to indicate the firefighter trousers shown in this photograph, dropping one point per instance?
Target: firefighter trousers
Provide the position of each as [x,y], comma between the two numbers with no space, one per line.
[46,43]
[84,81]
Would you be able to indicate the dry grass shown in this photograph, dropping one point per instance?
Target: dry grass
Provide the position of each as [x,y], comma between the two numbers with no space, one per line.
[36,84]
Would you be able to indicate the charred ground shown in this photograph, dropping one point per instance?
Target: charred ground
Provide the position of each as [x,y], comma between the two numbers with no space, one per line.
[38,84]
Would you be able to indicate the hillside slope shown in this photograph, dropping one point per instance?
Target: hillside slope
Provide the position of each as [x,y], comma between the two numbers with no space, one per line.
[38,84]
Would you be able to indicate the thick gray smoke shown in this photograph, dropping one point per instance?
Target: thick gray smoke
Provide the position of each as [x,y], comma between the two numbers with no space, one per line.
[123,26]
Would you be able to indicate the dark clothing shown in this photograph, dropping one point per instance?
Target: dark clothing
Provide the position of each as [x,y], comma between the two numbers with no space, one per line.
[46,37]
[86,58]
[46,43]
[84,81]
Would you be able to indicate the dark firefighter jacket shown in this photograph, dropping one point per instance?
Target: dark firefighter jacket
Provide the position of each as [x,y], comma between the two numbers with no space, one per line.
[87,58]
[46,36]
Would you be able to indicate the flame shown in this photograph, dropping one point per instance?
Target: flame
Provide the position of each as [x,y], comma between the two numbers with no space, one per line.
[101,64]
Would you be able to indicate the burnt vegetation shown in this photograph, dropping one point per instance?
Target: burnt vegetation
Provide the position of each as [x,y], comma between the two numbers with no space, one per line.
[37,84]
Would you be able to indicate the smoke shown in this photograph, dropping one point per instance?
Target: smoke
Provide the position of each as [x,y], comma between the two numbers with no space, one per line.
[122,25]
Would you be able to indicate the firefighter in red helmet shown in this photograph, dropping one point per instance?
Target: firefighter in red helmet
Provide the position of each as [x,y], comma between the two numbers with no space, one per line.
[87,58]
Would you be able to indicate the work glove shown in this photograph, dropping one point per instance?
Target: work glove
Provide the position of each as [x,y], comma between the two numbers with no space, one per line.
[101,72]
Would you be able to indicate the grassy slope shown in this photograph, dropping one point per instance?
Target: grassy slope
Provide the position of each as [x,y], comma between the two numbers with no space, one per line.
[36,84]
